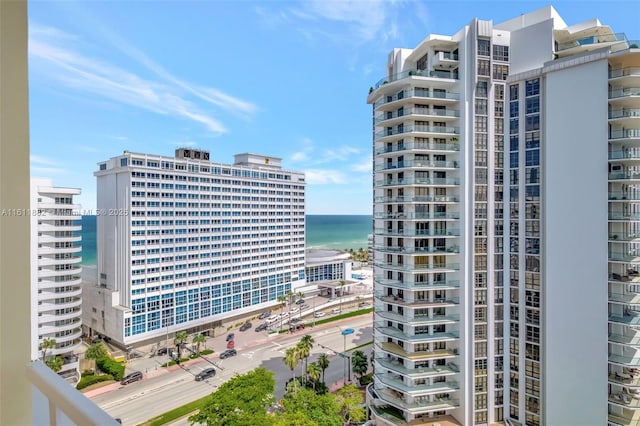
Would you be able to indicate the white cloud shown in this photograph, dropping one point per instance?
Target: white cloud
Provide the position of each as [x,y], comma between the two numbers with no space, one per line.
[341,153]
[365,166]
[299,156]
[36,159]
[306,147]
[321,177]
[167,96]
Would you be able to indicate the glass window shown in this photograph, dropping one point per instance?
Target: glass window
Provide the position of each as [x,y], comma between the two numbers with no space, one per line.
[500,53]
[532,87]
[484,47]
[533,104]
[484,68]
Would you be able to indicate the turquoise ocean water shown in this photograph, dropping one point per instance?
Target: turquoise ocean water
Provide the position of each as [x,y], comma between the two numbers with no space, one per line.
[323,231]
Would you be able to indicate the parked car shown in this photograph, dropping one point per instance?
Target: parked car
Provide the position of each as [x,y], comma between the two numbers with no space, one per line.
[245,326]
[264,315]
[162,351]
[228,353]
[284,314]
[230,336]
[131,377]
[363,304]
[335,311]
[230,344]
[205,374]
[320,314]
[273,318]
[299,301]
[296,327]
[262,327]
[303,307]
[295,320]
[294,310]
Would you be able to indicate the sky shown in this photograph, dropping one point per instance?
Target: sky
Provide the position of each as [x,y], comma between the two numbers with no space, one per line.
[279,78]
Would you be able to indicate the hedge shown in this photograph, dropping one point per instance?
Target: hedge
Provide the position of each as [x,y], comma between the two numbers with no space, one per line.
[110,366]
[92,379]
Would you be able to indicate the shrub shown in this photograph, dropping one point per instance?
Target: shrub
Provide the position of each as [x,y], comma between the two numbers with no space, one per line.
[92,379]
[206,352]
[110,366]
[366,379]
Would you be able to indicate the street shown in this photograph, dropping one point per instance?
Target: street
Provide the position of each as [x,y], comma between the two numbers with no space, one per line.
[162,391]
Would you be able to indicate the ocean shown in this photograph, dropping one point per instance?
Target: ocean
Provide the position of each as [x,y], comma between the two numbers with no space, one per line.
[323,231]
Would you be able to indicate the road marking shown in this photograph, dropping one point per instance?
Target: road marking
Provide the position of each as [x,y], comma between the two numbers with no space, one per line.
[248,354]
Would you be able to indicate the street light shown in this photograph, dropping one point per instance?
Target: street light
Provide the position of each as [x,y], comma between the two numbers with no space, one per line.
[345,333]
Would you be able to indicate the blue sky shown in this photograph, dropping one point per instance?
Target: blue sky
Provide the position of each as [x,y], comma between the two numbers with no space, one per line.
[280,78]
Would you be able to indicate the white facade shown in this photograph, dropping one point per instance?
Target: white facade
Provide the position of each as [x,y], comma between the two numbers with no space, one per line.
[183,242]
[490,236]
[56,301]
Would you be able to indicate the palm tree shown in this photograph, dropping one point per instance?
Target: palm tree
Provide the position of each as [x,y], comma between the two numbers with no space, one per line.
[283,301]
[305,345]
[55,363]
[313,373]
[323,363]
[291,359]
[342,284]
[47,343]
[180,339]
[198,339]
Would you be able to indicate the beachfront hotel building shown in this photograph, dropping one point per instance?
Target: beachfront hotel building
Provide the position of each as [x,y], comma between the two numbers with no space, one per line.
[507,215]
[184,243]
[56,293]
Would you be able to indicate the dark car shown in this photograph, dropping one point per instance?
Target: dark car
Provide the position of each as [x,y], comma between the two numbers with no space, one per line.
[230,336]
[205,374]
[228,353]
[245,326]
[296,327]
[132,377]
[264,315]
[299,301]
[262,327]
[162,351]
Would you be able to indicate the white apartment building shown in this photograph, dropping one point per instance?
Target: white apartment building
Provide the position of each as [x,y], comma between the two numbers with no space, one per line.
[183,242]
[491,153]
[56,301]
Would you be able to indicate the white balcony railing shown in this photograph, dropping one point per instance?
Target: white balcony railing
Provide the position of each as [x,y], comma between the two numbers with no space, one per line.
[55,402]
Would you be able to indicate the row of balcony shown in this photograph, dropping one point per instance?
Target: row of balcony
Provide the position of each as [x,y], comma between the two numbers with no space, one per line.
[443,130]
[418,320]
[415,338]
[418,285]
[421,355]
[419,92]
[417,389]
[418,146]
[625,112]
[416,73]
[417,372]
[418,181]
[436,267]
[625,133]
[418,164]
[425,215]
[624,72]
[422,199]
[409,233]
[418,250]
[623,92]
[436,112]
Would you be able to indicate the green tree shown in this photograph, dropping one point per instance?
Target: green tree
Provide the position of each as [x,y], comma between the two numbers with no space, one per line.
[359,363]
[323,363]
[95,352]
[198,339]
[305,345]
[240,401]
[291,358]
[297,418]
[282,300]
[45,345]
[55,363]
[350,399]
[179,340]
[323,409]
[313,373]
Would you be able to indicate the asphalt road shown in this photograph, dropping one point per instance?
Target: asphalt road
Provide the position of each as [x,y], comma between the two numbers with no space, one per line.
[158,393]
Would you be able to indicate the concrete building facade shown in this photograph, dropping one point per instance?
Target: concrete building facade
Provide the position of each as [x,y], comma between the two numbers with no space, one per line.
[183,242]
[500,154]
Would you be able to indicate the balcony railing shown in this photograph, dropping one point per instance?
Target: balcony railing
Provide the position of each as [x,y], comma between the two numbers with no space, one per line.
[448,232]
[418,129]
[609,38]
[415,73]
[418,181]
[431,215]
[416,163]
[53,396]
[627,91]
[435,285]
[406,267]
[625,133]
[624,72]
[622,155]
[418,111]
[625,112]
[419,199]
[418,93]
[409,146]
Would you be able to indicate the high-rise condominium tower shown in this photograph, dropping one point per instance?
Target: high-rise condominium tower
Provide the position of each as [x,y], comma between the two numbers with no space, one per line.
[183,242]
[506,161]
[56,302]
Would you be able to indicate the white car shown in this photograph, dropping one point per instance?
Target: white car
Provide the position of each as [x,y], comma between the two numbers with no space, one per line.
[320,314]
[284,314]
[272,319]
[335,311]
[294,310]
